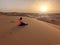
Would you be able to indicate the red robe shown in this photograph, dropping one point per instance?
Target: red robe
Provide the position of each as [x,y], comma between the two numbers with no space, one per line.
[19,22]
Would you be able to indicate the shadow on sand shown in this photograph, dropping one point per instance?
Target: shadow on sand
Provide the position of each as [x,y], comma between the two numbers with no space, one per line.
[51,21]
[17,28]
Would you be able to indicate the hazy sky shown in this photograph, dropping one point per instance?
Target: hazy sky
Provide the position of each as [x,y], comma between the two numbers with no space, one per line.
[29,5]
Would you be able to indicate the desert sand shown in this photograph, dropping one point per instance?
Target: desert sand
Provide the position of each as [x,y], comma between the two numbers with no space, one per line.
[35,33]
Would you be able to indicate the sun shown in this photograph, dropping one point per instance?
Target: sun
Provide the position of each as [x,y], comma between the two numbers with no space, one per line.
[43,9]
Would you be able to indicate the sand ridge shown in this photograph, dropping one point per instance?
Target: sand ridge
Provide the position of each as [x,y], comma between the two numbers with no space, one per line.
[36,33]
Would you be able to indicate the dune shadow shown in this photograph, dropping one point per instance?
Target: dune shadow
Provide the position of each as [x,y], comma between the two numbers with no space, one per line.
[51,21]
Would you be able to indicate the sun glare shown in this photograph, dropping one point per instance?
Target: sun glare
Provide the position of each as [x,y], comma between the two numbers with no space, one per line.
[43,9]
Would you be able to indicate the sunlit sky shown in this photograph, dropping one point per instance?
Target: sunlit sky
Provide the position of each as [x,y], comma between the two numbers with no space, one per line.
[30,5]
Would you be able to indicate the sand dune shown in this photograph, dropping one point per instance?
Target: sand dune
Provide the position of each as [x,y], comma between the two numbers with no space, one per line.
[36,33]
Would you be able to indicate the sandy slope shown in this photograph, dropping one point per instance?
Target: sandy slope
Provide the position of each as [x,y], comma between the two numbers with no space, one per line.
[36,33]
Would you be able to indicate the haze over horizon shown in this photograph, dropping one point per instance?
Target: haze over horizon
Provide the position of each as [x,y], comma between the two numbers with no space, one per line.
[29,5]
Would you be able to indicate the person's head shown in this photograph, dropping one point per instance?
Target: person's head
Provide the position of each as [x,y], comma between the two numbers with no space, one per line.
[20,18]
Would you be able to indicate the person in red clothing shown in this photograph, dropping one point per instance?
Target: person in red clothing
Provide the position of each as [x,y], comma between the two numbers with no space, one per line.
[20,23]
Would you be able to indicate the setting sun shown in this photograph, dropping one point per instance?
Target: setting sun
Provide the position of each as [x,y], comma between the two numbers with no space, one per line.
[43,9]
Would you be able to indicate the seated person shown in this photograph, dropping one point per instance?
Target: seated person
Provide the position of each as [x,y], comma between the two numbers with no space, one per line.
[20,23]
